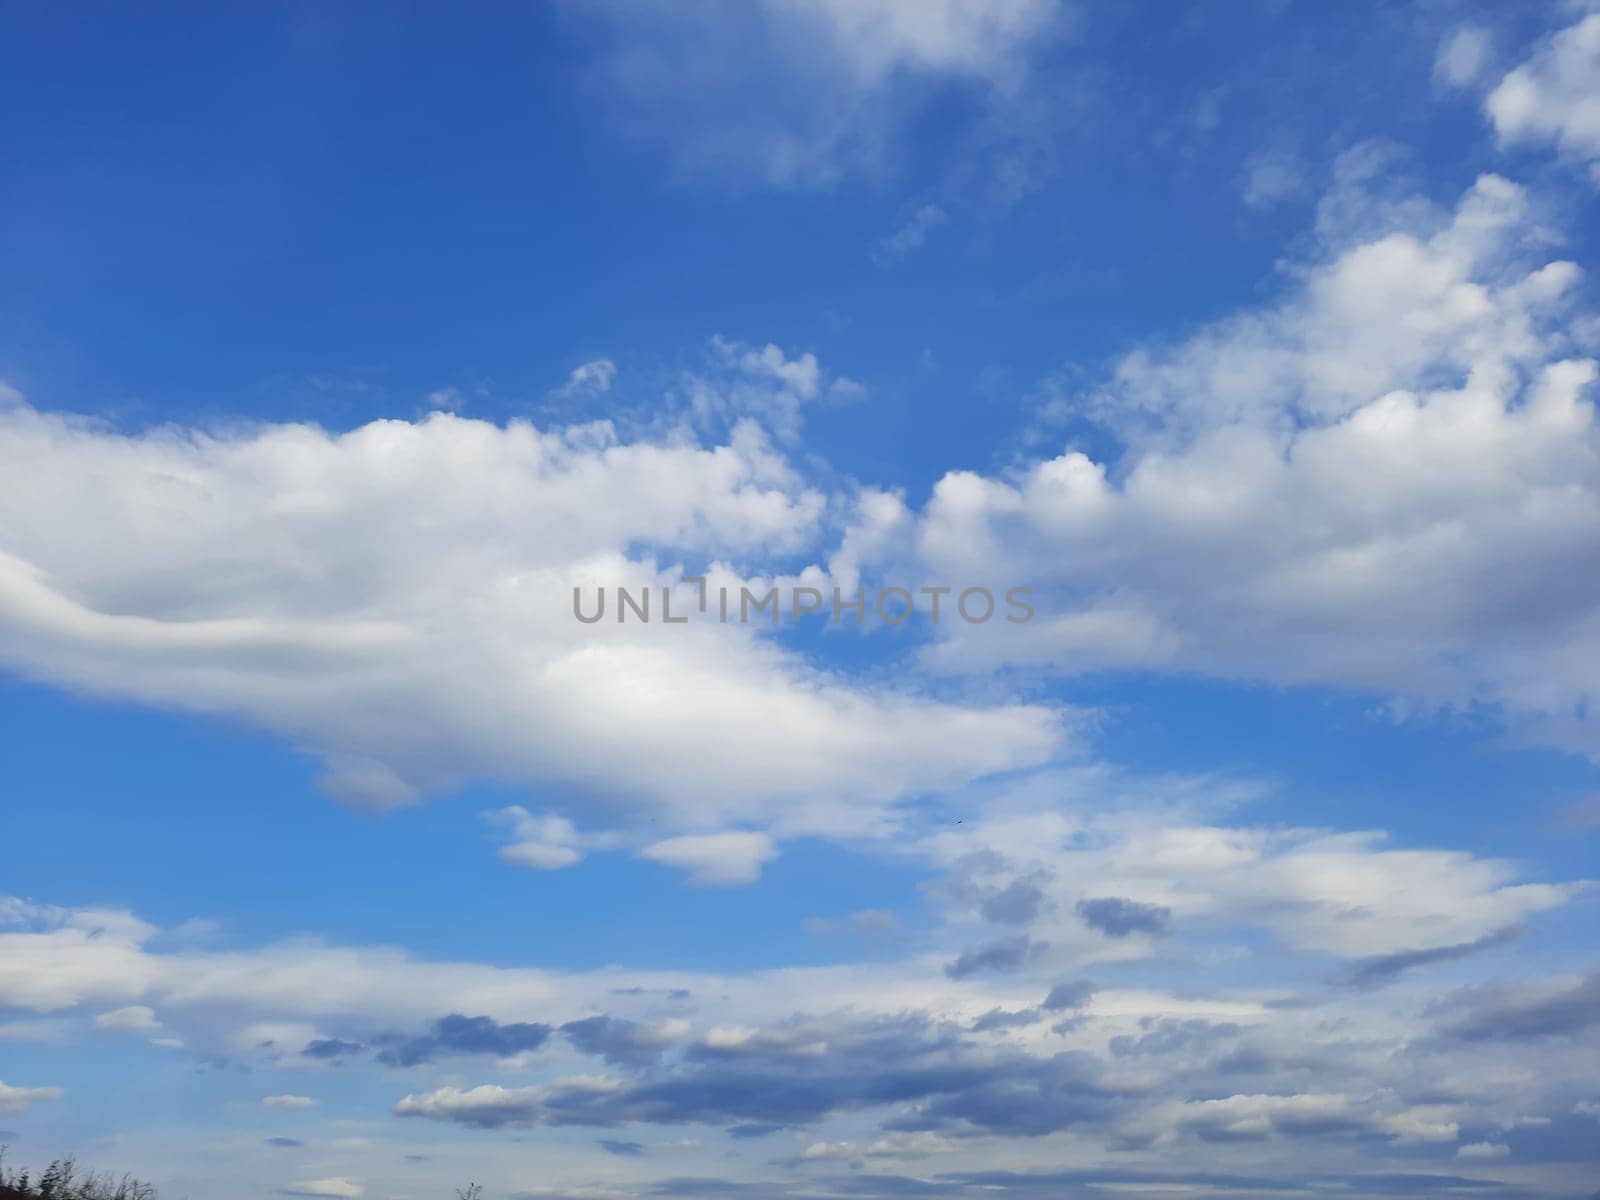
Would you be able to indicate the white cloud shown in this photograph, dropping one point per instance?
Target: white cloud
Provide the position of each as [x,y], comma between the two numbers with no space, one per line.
[761,384]
[288,1103]
[135,1018]
[912,233]
[880,37]
[1370,482]
[715,859]
[545,843]
[798,93]
[1553,98]
[17,1099]
[1161,1059]
[1463,56]
[1417,296]
[338,1187]
[1067,836]
[69,957]
[541,856]
[1342,894]
[1270,178]
[799,376]
[897,1145]
[397,600]
[590,378]
[1483,1151]
[488,1104]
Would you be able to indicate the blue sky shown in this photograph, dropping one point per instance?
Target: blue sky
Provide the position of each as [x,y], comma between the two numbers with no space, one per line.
[340,346]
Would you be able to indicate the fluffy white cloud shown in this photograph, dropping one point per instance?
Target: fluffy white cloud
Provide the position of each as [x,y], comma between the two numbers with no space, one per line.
[714,859]
[545,843]
[1554,97]
[1407,298]
[397,600]
[487,1104]
[62,958]
[1387,479]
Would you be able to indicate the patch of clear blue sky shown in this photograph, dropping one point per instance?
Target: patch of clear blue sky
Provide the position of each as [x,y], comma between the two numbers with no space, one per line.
[327,211]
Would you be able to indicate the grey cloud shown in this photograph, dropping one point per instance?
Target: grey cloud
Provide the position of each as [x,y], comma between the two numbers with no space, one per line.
[871,1186]
[1566,1138]
[1000,1018]
[1074,993]
[1226,1127]
[1382,968]
[1005,955]
[1087,1182]
[330,1048]
[666,993]
[1272,1061]
[695,1186]
[1027,1098]
[1521,1012]
[915,1074]
[622,1149]
[620,1042]
[804,1072]
[1171,1036]
[1117,917]
[1018,904]
[458,1034]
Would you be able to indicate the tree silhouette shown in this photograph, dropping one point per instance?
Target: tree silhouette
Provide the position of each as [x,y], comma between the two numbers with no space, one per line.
[61,1181]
